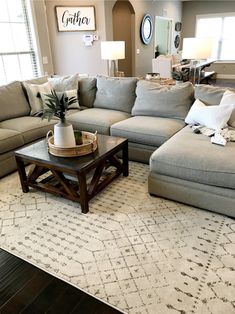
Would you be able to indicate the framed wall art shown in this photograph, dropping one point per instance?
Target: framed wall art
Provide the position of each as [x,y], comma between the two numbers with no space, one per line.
[79,18]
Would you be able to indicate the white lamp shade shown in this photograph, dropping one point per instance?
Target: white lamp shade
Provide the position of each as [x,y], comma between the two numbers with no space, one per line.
[197,48]
[112,50]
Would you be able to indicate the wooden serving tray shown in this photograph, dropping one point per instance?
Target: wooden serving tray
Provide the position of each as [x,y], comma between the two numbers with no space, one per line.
[89,146]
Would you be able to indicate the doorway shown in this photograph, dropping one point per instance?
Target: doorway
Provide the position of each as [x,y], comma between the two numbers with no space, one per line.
[124,29]
[163,35]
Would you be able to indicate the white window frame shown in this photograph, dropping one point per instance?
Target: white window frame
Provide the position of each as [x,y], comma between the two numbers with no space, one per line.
[221,15]
[33,52]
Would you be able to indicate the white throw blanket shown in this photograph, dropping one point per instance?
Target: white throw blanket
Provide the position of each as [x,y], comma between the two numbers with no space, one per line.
[220,137]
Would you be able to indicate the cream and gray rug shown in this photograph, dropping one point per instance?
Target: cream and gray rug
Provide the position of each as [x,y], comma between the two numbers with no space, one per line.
[138,253]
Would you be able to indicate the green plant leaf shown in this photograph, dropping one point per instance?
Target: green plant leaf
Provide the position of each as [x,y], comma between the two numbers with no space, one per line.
[57,104]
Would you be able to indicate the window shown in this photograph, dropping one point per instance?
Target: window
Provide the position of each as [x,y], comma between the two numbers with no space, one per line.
[221,28]
[18,58]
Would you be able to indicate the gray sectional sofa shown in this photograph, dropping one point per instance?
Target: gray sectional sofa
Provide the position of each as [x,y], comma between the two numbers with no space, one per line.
[183,166]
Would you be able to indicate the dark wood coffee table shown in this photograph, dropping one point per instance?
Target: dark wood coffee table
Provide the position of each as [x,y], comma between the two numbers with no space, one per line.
[78,178]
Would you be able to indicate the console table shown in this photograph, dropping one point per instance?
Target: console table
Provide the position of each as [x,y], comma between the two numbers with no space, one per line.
[200,73]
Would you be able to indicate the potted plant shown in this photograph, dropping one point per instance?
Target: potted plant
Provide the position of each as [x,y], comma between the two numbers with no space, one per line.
[180,75]
[57,104]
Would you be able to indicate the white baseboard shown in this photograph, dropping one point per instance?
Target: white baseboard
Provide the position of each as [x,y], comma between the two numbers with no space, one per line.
[226,76]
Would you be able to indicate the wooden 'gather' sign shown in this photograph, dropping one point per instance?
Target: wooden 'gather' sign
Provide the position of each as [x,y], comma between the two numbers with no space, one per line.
[75,18]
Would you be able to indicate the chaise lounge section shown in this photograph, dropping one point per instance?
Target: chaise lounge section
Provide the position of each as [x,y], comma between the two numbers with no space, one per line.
[190,169]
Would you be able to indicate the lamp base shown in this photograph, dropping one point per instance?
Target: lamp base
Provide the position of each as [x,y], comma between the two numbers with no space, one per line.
[112,67]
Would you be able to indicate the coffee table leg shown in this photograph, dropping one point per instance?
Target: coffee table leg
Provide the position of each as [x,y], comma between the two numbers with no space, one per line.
[125,160]
[22,174]
[83,193]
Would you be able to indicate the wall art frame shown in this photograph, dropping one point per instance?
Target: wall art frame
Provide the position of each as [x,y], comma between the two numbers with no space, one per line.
[75,18]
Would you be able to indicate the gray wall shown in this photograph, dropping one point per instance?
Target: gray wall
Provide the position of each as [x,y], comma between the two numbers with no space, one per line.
[193,8]
[170,9]
[69,55]
[143,60]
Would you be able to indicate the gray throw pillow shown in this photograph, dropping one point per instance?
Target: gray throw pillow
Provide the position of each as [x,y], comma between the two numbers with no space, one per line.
[116,93]
[163,101]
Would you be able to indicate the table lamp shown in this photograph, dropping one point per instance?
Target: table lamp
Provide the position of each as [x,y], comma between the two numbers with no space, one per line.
[112,51]
[197,49]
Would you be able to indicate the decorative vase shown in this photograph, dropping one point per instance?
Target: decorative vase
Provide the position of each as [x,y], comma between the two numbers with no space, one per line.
[64,135]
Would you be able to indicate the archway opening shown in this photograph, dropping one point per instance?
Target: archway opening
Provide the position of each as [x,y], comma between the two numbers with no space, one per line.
[124,29]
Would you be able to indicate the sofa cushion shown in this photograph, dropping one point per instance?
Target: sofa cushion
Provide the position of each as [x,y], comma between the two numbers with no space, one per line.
[33,92]
[115,93]
[96,119]
[87,91]
[9,140]
[36,80]
[229,98]
[162,101]
[64,83]
[147,130]
[13,102]
[192,157]
[31,128]
[210,95]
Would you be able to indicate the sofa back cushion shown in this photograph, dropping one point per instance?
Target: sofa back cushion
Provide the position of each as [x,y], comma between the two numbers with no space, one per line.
[210,95]
[37,80]
[163,101]
[13,102]
[87,91]
[116,93]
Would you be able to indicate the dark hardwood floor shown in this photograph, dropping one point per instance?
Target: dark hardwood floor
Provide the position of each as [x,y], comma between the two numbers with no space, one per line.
[26,289]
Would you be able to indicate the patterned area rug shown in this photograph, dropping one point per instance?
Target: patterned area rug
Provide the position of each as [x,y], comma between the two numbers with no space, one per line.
[138,253]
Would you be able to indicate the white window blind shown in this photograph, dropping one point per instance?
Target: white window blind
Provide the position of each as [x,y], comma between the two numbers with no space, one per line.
[18,56]
[221,28]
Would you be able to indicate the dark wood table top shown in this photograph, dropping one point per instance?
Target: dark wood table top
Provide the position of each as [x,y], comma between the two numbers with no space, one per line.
[39,152]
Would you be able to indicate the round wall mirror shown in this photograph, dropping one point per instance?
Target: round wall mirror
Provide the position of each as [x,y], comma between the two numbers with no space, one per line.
[177,41]
[146,29]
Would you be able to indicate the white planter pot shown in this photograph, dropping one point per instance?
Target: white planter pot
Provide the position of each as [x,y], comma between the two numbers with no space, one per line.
[64,135]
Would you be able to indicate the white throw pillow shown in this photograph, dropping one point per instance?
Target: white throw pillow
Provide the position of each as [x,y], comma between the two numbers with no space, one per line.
[68,93]
[64,83]
[33,92]
[213,117]
[227,99]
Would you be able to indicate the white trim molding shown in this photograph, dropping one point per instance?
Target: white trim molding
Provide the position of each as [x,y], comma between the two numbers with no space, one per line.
[226,76]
